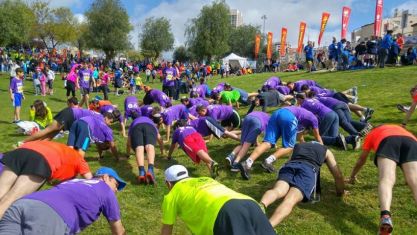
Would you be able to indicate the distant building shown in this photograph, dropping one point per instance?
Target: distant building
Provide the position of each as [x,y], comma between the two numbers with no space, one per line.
[414,29]
[400,22]
[236,18]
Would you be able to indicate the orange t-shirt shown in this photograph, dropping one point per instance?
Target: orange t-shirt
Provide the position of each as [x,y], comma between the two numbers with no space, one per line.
[65,163]
[377,135]
[101,103]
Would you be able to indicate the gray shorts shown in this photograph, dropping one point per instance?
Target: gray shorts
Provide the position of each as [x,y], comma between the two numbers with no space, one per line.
[32,217]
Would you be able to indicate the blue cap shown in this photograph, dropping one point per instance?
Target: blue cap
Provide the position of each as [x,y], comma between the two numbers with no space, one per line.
[109,171]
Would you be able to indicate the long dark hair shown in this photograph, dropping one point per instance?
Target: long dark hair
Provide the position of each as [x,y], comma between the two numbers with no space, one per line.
[40,109]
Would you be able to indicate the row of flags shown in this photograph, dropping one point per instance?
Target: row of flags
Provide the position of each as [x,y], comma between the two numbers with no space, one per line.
[324,19]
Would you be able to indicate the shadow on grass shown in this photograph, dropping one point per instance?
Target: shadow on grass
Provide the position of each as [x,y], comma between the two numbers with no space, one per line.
[57,99]
[337,213]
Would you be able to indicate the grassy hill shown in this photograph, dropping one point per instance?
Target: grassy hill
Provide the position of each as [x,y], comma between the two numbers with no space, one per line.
[357,213]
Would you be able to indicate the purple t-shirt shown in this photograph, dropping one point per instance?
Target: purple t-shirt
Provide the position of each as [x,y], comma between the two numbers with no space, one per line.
[160,97]
[175,112]
[16,85]
[306,119]
[200,126]
[219,112]
[131,106]
[283,90]
[330,102]
[1,165]
[217,89]
[85,78]
[317,108]
[263,117]
[300,83]
[198,101]
[146,110]
[99,131]
[80,202]
[79,113]
[181,133]
[202,90]
[141,120]
[170,75]
[321,92]
[109,109]
[272,83]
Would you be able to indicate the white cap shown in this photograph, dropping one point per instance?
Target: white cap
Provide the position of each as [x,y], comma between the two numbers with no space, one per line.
[175,173]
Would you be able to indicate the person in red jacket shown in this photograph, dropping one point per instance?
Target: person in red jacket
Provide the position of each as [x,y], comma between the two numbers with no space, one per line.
[28,167]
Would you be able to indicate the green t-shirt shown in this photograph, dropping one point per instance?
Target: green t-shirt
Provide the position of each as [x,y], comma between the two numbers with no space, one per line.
[232,96]
[197,201]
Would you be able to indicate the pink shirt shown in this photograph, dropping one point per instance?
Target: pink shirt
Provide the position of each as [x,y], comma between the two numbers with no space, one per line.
[105,79]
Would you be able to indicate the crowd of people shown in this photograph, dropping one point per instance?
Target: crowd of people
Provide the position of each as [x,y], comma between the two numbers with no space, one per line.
[303,107]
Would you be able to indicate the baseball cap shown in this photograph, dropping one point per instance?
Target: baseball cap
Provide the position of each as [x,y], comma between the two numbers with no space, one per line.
[109,171]
[175,173]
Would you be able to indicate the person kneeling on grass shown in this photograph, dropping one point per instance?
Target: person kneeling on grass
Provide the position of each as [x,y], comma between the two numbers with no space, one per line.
[253,125]
[67,208]
[193,145]
[28,167]
[142,136]
[208,207]
[393,146]
[298,177]
[96,130]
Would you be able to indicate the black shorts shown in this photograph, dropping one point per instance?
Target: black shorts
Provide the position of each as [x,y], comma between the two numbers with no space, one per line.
[215,128]
[85,91]
[342,97]
[79,136]
[26,162]
[400,149]
[309,59]
[65,118]
[50,84]
[143,134]
[169,90]
[242,216]
[233,121]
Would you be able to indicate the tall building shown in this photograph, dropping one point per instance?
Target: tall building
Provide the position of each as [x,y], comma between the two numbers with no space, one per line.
[400,22]
[236,18]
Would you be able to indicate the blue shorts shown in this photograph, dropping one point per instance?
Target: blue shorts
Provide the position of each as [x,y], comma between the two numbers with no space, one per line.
[79,136]
[243,96]
[300,175]
[17,102]
[251,128]
[283,124]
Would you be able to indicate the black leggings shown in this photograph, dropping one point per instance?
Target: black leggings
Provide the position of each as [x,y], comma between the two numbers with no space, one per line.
[104,89]
[70,88]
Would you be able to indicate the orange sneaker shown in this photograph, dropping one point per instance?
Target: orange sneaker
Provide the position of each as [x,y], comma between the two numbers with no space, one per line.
[150,178]
[142,179]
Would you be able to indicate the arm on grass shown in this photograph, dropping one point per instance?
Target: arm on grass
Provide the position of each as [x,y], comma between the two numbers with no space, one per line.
[359,163]
[123,129]
[171,150]
[117,227]
[337,174]
[113,150]
[161,144]
[317,136]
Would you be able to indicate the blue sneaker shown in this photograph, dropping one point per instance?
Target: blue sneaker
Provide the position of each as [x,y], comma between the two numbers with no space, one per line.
[244,170]
[230,159]
[235,167]
[385,226]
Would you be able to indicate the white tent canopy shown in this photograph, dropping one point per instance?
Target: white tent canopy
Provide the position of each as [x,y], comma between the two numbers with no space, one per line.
[235,60]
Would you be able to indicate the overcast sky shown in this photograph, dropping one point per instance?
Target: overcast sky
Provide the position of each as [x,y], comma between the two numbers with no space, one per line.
[280,13]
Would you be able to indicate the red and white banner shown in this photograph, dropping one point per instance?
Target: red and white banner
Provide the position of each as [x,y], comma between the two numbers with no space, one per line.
[378,17]
[324,19]
[345,21]
[269,46]
[301,34]
[283,42]
[257,45]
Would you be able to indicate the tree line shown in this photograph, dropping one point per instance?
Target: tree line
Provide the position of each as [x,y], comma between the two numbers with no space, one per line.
[107,26]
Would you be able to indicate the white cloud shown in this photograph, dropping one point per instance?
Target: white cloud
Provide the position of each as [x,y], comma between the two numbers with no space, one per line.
[80,18]
[409,5]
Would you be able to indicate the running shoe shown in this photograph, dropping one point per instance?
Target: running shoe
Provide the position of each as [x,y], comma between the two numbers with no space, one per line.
[150,178]
[355,91]
[244,170]
[235,167]
[403,108]
[230,159]
[343,142]
[366,130]
[368,114]
[357,144]
[268,167]
[355,100]
[214,169]
[142,179]
[385,226]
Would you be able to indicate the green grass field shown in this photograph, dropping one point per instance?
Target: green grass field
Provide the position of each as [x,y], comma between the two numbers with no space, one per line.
[358,213]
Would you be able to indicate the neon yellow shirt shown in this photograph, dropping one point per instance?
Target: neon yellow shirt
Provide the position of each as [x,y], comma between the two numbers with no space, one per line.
[41,122]
[138,81]
[232,96]
[197,201]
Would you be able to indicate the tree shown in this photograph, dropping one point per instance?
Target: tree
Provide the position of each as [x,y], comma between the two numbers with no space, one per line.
[156,36]
[181,54]
[53,26]
[80,42]
[242,40]
[208,34]
[16,21]
[108,27]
